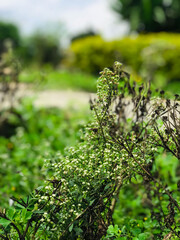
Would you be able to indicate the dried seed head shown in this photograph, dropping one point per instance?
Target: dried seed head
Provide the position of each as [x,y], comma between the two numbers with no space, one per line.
[164,118]
[168,103]
[176,96]
[162,92]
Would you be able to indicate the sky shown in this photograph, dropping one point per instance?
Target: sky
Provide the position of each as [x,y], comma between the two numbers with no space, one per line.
[74,16]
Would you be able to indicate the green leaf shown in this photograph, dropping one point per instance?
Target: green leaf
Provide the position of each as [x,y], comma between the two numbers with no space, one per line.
[136,231]
[10,213]
[17,215]
[31,203]
[71,228]
[156,231]
[39,211]
[78,230]
[108,186]
[144,236]
[23,213]
[91,202]
[110,229]
[123,230]
[4,222]
[39,188]
[148,224]
[116,229]
[19,206]
[28,215]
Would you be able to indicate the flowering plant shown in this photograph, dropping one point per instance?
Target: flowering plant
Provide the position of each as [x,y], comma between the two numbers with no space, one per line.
[82,187]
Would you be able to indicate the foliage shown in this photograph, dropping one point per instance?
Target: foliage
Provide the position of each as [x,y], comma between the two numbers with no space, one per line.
[10,32]
[112,232]
[27,135]
[119,147]
[9,78]
[91,54]
[40,49]
[154,56]
[150,16]
[133,210]
[83,35]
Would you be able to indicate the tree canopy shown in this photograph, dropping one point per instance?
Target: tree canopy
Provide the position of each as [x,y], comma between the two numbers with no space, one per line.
[150,15]
[9,31]
[43,48]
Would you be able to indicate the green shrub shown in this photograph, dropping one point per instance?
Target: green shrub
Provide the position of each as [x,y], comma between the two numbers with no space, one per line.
[153,55]
[91,54]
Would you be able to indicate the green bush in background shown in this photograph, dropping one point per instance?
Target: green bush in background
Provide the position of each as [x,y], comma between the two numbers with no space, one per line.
[154,55]
[90,54]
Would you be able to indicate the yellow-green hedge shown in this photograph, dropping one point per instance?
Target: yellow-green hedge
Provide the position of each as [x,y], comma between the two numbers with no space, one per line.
[91,54]
[152,55]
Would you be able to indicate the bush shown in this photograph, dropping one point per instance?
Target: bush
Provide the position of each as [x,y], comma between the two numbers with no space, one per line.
[91,54]
[117,149]
[154,55]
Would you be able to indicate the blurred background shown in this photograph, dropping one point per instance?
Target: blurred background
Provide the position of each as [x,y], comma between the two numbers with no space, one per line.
[65,44]
[59,45]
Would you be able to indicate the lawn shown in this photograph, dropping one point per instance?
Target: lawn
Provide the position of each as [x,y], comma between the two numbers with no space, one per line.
[46,78]
[59,79]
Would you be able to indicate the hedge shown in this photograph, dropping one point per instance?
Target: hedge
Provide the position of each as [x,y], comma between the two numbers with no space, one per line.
[155,55]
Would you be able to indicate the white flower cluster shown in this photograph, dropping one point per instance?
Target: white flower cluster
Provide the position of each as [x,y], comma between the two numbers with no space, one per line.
[92,169]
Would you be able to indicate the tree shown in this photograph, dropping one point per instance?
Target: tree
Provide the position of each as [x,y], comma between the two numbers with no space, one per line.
[42,48]
[9,31]
[83,35]
[150,15]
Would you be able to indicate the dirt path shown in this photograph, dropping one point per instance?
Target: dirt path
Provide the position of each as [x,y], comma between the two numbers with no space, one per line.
[57,98]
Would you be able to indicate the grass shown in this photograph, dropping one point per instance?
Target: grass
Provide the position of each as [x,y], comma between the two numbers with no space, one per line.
[59,79]
[47,78]
[173,87]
